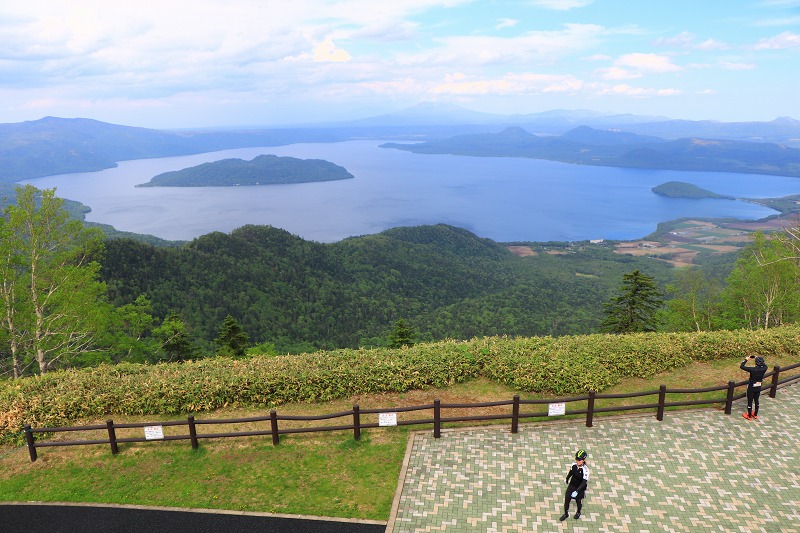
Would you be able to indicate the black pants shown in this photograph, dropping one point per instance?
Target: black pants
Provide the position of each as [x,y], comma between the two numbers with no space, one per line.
[753,394]
[578,499]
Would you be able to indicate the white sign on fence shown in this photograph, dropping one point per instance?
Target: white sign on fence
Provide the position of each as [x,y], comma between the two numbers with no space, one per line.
[556,409]
[153,432]
[387,419]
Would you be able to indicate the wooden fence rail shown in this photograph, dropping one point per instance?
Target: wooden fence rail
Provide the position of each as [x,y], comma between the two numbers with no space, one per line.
[357,425]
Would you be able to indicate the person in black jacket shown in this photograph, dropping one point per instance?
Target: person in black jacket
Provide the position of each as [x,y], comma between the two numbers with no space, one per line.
[577,478]
[754,385]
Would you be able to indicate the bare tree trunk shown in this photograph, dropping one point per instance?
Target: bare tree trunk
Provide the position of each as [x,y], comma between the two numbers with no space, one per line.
[16,367]
[42,361]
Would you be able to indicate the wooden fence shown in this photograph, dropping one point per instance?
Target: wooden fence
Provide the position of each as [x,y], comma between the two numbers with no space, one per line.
[388,417]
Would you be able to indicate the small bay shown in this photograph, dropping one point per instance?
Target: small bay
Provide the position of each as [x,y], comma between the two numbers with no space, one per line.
[501,198]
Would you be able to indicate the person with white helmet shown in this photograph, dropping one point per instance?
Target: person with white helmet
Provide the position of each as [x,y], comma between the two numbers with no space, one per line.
[754,385]
[577,478]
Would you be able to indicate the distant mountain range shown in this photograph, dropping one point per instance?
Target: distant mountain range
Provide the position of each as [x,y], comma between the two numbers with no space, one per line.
[558,121]
[60,145]
[54,145]
[588,146]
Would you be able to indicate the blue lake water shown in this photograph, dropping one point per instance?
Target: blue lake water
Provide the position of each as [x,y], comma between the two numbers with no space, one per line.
[502,198]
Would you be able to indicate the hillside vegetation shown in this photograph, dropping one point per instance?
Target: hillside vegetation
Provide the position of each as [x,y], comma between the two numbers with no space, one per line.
[558,366]
[302,295]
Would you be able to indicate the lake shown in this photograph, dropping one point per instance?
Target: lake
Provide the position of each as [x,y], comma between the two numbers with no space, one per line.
[505,199]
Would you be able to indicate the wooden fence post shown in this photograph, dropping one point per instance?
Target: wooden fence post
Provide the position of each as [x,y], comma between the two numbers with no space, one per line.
[773,390]
[193,433]
[112,437]
[662,396]
[273,416]
[31,443]
[437,418]
[356,423]
[515,415]
[729,399]
[590,409]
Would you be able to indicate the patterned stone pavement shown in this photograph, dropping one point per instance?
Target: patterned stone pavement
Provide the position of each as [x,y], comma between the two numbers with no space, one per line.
[697,470]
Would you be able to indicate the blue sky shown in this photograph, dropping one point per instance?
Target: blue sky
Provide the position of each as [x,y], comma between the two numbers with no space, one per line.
[197,63]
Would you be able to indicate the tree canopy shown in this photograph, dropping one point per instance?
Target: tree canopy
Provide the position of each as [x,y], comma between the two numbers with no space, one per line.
[53,301]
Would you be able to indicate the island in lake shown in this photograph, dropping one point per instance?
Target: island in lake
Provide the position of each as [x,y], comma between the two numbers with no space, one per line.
[681,189]
[262,170]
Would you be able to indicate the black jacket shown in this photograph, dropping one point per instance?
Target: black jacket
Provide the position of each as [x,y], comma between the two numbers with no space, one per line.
[578,477]
[756,373]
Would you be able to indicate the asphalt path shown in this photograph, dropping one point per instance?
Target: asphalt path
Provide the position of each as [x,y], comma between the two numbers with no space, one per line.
[35,518]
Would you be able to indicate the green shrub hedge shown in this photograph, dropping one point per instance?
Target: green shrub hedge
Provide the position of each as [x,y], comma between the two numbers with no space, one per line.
[556,365]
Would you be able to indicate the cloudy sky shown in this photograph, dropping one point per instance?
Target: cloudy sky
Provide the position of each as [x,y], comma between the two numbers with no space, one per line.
[196,63]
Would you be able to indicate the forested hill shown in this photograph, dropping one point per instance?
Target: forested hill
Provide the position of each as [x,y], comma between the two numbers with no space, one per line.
[55,145]
[588,146]
[680,189]
[299,294]
[262,170]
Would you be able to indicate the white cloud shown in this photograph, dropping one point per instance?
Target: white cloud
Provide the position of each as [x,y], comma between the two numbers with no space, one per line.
[638,92]
[474,87]
[617,73]
[730,65]
[327,51]
[682,40]
[781,3]
[779,42]
[711,44]
[406,85]
[782,21]
[205,56]
[652,63]
[598,57]
[540,47]
[511,83]
[562,5]
[686,40]
[461,84]
[506,23]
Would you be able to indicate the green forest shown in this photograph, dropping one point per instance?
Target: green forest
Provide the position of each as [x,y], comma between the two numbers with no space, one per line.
[74,296]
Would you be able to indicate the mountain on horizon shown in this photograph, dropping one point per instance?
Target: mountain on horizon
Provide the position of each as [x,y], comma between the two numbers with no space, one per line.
[588,146]
[559,121]
[434,113]
[53,145]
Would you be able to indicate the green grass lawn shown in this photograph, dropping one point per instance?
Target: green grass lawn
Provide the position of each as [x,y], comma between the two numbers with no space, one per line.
[321,474]
[325,474]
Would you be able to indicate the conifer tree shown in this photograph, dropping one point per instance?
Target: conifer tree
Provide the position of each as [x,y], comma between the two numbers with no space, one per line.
[636,308]
[401,335]
[231,339]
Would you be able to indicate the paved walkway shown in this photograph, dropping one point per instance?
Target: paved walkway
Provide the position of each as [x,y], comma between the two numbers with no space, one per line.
[694,471]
